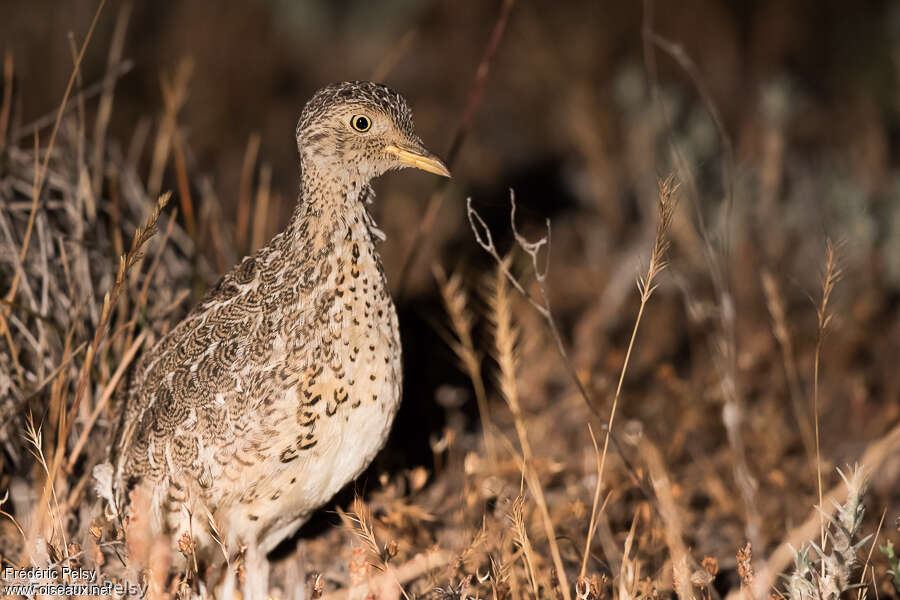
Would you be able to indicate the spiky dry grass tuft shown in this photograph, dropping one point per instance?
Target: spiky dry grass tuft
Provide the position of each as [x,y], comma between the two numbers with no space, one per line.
[48,511]
[821,573]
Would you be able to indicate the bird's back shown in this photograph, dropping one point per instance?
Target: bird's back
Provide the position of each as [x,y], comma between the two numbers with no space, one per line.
[273,392]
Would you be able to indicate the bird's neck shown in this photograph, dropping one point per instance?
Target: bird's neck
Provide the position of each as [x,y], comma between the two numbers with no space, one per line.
[330,206]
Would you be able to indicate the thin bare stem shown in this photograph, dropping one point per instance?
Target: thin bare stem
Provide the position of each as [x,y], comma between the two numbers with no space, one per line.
[673,529]
[124,362]
[35,438]
[473,102]
[175,93]
[724,341]
[3,513]
[831,277]
[592,525]
[393,56]
[104,110]
[862,577]
[245,192]
[776,306]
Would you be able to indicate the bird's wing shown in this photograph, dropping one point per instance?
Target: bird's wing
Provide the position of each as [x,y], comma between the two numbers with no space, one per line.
[196,397]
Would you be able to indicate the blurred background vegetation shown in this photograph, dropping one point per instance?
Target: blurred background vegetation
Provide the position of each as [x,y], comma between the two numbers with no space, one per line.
[563,97]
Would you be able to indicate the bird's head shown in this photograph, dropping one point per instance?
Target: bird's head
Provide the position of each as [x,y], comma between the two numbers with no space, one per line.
[358,130]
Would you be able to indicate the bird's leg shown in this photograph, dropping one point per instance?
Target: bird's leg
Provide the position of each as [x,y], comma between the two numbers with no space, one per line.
[256,580]
[227,585]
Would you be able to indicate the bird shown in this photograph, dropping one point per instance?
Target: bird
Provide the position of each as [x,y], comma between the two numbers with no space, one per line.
[281,385]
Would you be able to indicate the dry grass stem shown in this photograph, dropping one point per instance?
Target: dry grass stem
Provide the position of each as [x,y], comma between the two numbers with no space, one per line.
[420,565]
[11,518]
[520,535]
[505,339]
[862,576]
[49,499]
[776,307]
[175,93]
[673,525]
[831,277]
[261,208]
[456,303]
[108,391]
[716,253]
[185,199]
[245,192]
[359,522]
[104,109]
[666,202]
[595,504]
[141,237]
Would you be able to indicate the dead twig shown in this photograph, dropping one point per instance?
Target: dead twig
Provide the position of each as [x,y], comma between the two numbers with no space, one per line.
[473,101]
[486,241]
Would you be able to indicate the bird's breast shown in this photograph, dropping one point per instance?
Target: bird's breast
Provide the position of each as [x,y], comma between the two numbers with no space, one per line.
[344,382]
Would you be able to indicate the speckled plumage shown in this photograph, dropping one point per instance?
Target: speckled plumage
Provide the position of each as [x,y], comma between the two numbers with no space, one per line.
[281,385]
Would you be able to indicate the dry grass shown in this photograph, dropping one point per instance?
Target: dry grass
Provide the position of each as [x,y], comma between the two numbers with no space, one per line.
[455,300]
[829,280]
[505,340]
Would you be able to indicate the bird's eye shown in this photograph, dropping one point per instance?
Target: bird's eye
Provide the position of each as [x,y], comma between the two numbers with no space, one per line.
[360,123]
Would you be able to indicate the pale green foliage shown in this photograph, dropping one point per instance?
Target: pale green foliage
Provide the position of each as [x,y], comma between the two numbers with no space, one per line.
[824,573]
[894,560]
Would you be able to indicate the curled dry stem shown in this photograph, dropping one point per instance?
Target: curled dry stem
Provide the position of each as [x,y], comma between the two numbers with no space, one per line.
[542,305]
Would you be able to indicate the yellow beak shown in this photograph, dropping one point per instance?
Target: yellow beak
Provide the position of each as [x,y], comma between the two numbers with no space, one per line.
[420,159]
